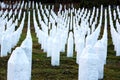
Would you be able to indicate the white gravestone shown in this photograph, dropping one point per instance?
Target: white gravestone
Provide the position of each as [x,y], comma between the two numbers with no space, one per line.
[18,68]
[88,65]
[100,50]
[55,58]
[80,46]
[70,45]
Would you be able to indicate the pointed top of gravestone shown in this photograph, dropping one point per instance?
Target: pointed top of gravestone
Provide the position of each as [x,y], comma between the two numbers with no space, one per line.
[18,57]
[99,44]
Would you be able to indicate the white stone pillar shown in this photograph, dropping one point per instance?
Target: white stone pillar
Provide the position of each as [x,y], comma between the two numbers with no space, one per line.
[18,68]
[70,45]
[88,65]
[55,57]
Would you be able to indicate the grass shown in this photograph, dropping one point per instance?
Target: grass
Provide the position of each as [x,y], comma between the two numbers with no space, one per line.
[68,69]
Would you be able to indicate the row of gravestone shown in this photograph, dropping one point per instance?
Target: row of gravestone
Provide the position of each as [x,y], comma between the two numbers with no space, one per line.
[10,32]
[19,69]
[91,52]
[22,5]
[16,5]
[92,57]
[20,62]
[10,36]
[62,27]
[115,33]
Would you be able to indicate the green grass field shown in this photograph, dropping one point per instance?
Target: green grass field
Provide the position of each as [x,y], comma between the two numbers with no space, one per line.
[68,69]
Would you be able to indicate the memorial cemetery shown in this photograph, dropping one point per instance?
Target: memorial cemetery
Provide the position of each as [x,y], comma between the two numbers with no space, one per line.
[40,41]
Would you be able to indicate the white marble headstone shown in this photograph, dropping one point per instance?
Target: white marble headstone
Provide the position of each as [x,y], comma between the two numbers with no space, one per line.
[18,68]
[70,45]
[88,65]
